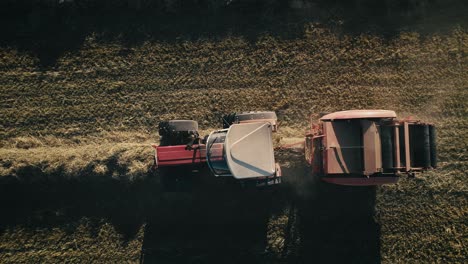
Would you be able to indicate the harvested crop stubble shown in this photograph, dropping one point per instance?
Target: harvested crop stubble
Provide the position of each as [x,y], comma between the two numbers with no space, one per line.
[75,242]
[93,115]
[99,88]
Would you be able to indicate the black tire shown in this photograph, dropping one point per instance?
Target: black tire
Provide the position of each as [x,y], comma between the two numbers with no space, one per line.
[256,115]
[177,132]
[433,146]
[228,120]
[234,118]
[171,126]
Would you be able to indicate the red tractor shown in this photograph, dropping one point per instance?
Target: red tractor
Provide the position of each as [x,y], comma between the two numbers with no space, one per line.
[240,152]
[368,147]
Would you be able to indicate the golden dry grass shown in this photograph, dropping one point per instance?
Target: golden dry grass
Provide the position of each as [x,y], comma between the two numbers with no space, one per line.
[132,160]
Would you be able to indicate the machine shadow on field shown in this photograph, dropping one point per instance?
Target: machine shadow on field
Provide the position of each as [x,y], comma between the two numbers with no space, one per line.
[339,226]
[334,224]
[298,222]
[208,230]
[301,221]
[324,224]
[215,222]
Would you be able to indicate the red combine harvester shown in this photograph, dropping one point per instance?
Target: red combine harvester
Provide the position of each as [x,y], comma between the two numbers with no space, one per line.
[241,152]
[368,147]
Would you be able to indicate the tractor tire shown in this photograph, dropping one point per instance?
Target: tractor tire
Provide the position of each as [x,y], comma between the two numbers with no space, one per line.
[235,118]
[177,126]
[228,120]
[177,132]
[256,115]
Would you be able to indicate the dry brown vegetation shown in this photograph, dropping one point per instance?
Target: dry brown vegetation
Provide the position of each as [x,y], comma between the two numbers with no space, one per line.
[75,242]
[106,87]
[95,113]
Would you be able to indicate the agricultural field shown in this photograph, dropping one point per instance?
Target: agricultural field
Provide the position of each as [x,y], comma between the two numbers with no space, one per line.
[75,155]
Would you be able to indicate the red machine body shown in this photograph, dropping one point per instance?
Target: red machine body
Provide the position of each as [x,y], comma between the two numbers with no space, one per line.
[179,155]
[182,155]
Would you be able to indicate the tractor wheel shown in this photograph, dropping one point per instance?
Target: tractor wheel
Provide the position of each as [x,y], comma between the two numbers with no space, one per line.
[228,120]
[177,132]
[170,126]
[235,118]
[256,115]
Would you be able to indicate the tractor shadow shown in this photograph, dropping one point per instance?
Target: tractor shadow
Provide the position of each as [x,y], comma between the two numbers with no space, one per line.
[326,224]
[220,225]
[196,237]
[214,224]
